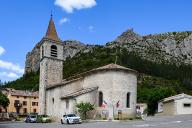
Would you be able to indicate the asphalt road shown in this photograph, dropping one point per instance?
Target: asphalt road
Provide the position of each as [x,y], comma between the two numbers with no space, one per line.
[183,121]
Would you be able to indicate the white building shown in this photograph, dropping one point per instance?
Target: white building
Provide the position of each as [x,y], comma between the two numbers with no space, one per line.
[175,105]
[114,84]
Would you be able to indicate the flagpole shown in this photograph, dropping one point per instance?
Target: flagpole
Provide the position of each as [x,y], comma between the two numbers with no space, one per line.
[113,113]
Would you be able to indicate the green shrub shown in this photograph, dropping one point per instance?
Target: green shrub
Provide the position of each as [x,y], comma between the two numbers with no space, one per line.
[43,119]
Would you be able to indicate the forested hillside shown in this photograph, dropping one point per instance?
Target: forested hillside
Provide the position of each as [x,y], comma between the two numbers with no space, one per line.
[29,81]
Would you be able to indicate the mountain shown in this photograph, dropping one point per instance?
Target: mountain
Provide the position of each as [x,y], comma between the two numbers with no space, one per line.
[171,47]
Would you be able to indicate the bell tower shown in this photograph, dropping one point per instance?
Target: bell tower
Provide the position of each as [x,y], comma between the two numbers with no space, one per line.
[51,63]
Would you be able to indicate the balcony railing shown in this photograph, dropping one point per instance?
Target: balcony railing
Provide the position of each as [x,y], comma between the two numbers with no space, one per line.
[17,104]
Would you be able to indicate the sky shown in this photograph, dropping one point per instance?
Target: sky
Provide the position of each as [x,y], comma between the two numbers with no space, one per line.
[23,23]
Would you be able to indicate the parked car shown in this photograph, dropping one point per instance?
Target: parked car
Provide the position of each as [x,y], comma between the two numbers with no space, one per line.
[31,119]
[13,114]
[70,119]
[43,119]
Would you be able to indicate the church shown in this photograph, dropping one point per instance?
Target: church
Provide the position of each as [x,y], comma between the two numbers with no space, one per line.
[112,89]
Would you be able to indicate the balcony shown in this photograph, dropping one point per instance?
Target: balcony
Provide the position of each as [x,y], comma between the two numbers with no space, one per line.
[17,104]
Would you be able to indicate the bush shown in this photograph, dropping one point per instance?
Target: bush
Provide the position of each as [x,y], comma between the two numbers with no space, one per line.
[156,95]
[4,101]
[43,119]
[83,108]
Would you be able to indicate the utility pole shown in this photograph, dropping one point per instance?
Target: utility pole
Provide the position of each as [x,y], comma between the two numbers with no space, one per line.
[116,56]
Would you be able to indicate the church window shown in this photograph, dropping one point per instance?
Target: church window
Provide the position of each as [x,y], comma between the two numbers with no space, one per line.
[53,100]
[67,104]
[128,100]
[42,51]
[100,99]
[53,51]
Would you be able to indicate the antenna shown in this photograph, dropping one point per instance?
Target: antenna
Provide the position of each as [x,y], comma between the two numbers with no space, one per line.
[116,56]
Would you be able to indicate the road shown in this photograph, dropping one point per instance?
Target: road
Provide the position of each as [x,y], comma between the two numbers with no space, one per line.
[183,121]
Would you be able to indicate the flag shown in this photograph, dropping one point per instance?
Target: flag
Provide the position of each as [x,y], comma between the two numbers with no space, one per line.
[104,104]
[117,104]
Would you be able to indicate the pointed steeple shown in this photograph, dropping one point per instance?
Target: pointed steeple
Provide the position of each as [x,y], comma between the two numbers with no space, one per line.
[51,31]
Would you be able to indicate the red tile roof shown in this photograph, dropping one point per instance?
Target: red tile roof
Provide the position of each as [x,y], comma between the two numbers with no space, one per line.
[51,31]
[14,92]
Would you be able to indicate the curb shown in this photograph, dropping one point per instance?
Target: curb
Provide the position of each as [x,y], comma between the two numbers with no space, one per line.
[93,121]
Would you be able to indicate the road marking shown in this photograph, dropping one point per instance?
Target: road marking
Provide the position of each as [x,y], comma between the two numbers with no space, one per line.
[143,125]
[150,125]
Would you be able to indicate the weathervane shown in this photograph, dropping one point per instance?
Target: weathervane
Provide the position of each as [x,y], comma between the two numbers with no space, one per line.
[51,14]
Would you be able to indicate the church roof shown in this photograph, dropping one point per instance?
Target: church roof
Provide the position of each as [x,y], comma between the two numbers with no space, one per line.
[103,68]
[114,66]
[14,92]
[78,93]
[51,31]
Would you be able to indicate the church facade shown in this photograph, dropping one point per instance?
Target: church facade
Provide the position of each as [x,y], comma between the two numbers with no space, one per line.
[111,88]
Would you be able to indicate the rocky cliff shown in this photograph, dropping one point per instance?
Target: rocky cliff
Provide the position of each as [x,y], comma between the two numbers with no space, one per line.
[171,47]
[33,59]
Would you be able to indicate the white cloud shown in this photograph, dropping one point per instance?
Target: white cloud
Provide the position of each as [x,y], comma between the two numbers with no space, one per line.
[64,20]
[8,74]
[91,28]
[8,70]
[70,5]
[2,50]
[11,66]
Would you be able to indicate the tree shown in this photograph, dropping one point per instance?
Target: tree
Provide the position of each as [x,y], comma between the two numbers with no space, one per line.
[156,95]
[4,101]
[83,108]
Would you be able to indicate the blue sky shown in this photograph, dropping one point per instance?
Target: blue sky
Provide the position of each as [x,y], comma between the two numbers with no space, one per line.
[24,22]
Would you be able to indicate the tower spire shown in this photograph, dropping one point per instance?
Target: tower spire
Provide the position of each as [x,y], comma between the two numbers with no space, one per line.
[51,30]
[51,14]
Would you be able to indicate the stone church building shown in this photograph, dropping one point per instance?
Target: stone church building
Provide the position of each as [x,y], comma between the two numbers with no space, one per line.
[111,88]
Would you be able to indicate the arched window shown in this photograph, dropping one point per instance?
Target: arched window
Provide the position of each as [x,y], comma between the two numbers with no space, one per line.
[67,104]
[53,100]
[42,51]
[100,99]
[128,100]
[53,51]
